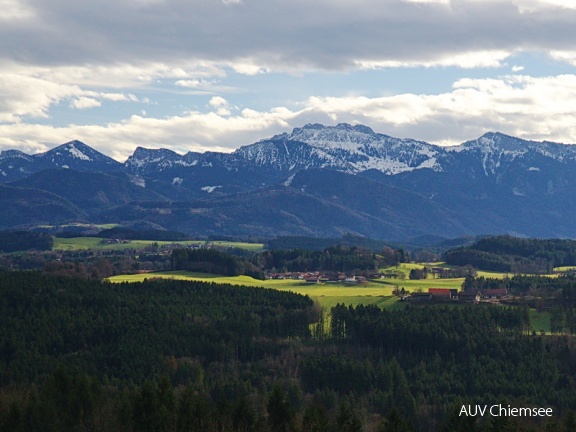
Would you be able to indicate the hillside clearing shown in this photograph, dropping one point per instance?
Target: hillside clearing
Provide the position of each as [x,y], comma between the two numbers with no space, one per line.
[83,243]
[328,295]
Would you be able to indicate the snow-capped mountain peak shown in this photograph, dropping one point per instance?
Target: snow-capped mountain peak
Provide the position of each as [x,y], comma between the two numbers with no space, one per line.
[342,136]
[348,148]
[77,155]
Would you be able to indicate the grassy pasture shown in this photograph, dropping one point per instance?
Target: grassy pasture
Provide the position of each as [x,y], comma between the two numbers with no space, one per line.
[377,292]
[414,285]
[82,243]
[564,268]
[328,295]
[84,225]
[539,321]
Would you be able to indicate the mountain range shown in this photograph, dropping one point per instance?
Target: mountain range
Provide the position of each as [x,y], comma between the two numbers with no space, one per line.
[316,181]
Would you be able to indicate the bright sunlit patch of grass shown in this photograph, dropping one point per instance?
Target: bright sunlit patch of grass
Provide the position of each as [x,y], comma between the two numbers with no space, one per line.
[328,295]
[83,243]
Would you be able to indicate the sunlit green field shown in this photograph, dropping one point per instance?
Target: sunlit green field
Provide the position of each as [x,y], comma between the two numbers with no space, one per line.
[564,268]
[414,285]
[404,269]
[540,321]
[82,243]
[377,292]
[328,295]
[99,226]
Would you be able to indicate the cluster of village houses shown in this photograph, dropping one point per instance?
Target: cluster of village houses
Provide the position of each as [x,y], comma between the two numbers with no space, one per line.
[443,294]
[432,294]
[323,277]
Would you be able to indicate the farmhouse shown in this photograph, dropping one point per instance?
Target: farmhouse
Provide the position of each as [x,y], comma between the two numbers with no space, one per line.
[469,297]
[496,293]
[438,271]
[420,296]
[443,293]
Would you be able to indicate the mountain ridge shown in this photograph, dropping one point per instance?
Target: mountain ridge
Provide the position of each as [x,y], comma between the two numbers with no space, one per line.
[375,183]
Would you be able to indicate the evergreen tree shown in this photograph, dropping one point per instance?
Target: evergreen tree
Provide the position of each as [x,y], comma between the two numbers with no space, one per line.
[281,415]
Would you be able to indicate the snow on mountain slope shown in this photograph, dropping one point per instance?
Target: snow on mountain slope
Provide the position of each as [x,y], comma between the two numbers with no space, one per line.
[495,151]
[346,148]
[77,155]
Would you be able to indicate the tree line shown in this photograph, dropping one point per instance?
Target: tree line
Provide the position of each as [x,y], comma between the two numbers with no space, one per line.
[127,331]
[449,355]
[319,244]
[340,258]
[12,241]
[213,261]
[168,355]
[515,255]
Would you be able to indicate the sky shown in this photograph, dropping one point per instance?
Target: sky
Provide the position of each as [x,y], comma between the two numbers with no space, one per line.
[213,75]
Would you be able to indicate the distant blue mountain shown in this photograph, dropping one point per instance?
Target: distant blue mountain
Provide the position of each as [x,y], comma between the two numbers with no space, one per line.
[323,180]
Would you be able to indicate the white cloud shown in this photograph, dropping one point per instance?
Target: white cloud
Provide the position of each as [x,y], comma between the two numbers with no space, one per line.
[29,96]
[538,108]
[195,83]
[15,10]
[256,36]
[218,101]
[33,95]
[468,60]
[85,102]
[535,108]
[89,54]
[536,5]
[444,2]
[565,56]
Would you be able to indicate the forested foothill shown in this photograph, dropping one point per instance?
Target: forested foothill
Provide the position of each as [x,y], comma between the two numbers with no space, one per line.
[320,244]
[515,255]
[81,354]
[166,355]
[207,260]
[340,258]
[12,241]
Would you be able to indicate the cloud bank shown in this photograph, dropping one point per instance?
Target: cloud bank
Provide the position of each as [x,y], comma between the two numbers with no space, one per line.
[88,56]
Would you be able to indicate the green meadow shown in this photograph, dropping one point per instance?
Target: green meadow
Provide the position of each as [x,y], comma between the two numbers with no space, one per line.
[84,225]
[564,268]
[376,291]
[328,295]
[83,243]
[540,321]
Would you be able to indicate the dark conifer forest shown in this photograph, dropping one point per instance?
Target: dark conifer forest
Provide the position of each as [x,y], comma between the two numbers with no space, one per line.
[166,355]
[516,255]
